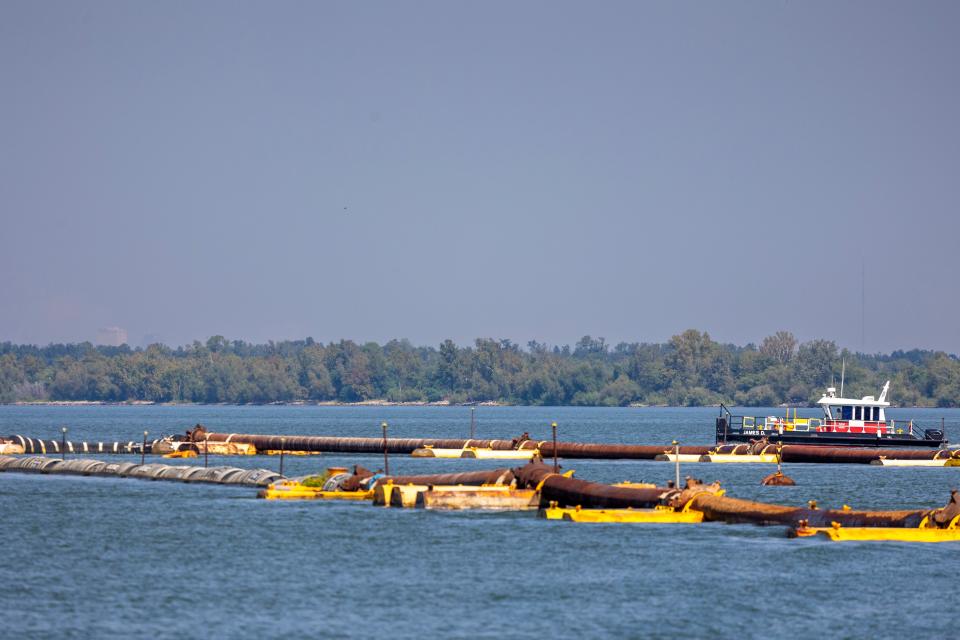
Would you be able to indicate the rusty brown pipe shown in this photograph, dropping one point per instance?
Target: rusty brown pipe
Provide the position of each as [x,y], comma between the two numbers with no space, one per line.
[856,455]
[601,451]
[335,444]
[570,450]
[571,492]
[733,510]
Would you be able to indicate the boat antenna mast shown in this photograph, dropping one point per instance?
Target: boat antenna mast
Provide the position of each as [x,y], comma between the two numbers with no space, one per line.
[843,371]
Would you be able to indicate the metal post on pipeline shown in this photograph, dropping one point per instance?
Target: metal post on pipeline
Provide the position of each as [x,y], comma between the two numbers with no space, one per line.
[283,445]
[63,443]
[473,412]
[386,458]
[556,466]
[676,453]
[143,449]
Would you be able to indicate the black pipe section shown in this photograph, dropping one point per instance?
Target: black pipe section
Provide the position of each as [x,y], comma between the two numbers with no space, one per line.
[48,447]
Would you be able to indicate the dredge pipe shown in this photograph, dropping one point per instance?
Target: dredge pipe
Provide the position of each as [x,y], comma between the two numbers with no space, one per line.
[570,492]
[334,444]
[43,447]
[88,467]
[601,451]
[734,510]
[856,455]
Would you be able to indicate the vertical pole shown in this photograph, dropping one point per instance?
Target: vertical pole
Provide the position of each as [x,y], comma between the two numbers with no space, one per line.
[283,445]
[63,443]
[556,466]
[386,458]
[473,413]
[143,449]
[676,454]
[206,451]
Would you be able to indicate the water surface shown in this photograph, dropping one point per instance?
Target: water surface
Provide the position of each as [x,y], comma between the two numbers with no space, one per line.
[100,557]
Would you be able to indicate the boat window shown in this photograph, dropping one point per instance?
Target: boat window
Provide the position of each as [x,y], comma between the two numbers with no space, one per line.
[871,414]
[846,413]
[858,413]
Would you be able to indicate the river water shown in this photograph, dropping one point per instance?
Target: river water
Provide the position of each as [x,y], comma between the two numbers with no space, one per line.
[103,557]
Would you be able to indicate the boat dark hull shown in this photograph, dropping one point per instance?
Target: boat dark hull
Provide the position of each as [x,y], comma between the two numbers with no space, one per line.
[830,439]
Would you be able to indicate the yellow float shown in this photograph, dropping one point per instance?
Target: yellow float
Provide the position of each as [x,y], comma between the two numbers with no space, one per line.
[925,532]
[657,515]
[293,490]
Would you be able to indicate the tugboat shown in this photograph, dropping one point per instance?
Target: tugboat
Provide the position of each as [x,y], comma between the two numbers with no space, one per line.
[846,421]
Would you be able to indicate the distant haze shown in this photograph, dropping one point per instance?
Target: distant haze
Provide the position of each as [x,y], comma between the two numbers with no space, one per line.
[432,170]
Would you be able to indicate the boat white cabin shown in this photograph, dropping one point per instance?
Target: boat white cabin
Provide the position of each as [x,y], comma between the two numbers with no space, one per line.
[865,415]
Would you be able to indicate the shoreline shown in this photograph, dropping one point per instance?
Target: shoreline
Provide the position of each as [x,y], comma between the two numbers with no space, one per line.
[294,403]
[365,403]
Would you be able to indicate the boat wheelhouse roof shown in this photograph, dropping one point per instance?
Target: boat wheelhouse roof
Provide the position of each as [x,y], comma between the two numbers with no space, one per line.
[866,401]
[830,399]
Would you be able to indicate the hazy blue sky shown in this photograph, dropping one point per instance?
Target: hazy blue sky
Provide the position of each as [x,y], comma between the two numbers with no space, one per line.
[523,170]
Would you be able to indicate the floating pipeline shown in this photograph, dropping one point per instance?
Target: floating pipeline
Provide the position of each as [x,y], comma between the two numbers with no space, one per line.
[560,492]
[600,451]
[568,450]
[762,451]
[939,525]
[564,491]
[858,455]
[733,510]
[474,452]
[87,467]
[582,450]
[49,447]
[333,444]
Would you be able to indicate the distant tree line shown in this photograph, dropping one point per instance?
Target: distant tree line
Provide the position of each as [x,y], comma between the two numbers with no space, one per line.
[689,370]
